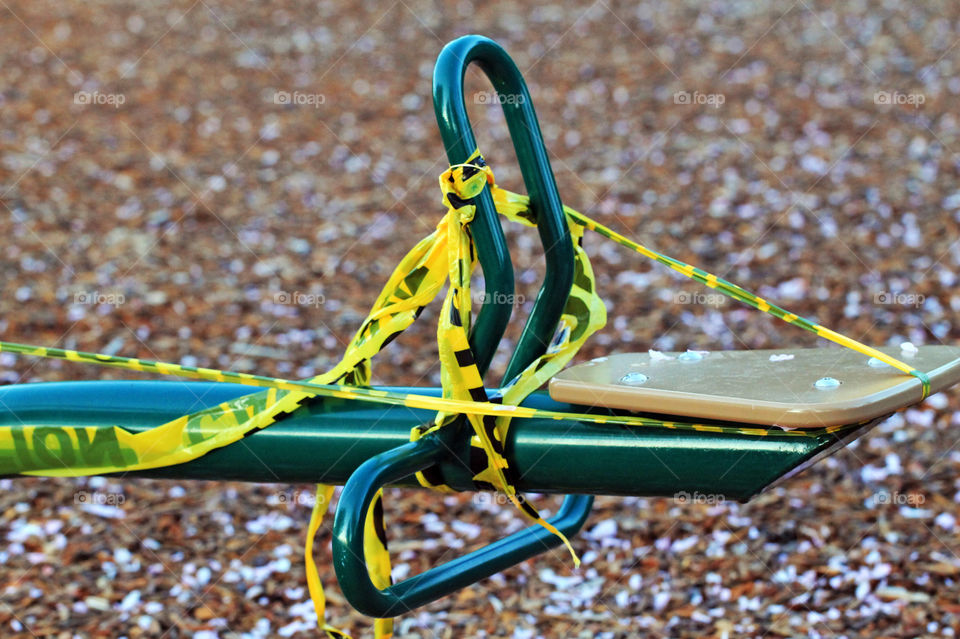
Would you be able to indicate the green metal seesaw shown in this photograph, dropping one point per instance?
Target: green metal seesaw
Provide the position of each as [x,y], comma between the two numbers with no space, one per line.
[365,445]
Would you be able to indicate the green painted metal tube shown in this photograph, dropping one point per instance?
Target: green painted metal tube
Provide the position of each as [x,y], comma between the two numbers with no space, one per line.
[329,440]
[348,535]
[459,140]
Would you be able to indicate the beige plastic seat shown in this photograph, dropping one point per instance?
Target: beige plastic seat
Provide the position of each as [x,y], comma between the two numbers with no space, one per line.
[800,388]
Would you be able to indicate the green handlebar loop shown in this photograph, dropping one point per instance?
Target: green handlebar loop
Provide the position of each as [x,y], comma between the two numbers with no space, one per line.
[460,143]
[392,466]
[404,461]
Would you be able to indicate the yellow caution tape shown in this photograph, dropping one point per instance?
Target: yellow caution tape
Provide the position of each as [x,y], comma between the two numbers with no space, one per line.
[447,255]
[508,203]
[335,391]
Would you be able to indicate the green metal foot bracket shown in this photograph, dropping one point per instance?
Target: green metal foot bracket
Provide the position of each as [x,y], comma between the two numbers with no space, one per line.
[393,466]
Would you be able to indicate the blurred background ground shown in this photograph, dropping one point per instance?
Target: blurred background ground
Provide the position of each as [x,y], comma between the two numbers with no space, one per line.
[156,201]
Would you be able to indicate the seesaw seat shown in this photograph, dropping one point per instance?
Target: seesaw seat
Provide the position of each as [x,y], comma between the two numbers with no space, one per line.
[748,386]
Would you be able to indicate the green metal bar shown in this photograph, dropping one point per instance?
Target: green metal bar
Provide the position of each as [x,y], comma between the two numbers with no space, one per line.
[459,140]
[348,534]
[328,440]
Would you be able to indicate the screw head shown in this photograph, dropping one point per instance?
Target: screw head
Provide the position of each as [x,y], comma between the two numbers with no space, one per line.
[634,379]
[826,383]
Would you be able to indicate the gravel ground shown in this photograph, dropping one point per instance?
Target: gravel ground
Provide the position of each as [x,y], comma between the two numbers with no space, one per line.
[158,201]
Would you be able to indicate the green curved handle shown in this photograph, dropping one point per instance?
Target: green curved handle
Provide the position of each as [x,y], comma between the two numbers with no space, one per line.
[404,461]
[458,138]
[392,466]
